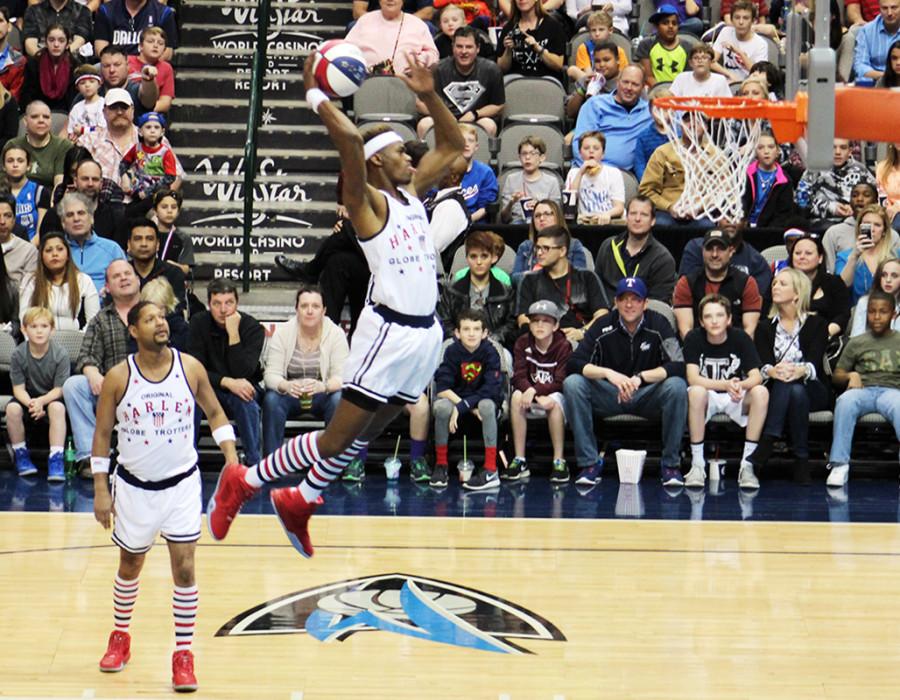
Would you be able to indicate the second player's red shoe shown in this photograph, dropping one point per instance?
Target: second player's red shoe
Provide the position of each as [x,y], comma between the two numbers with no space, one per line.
[118,652]
[232,492]
[183,678]
[294,512]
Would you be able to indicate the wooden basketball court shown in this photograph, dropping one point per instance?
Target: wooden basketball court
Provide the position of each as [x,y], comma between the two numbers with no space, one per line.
[644,610]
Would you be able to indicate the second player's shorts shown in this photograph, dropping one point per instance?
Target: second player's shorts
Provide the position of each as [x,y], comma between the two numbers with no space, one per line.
[143,513]
[390,358]
[720,402]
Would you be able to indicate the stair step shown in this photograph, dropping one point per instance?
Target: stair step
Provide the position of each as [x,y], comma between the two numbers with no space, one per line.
[236,110]
[281,14]
[235,83]
[205,184]
[288,160]
[227,37]
[303,137]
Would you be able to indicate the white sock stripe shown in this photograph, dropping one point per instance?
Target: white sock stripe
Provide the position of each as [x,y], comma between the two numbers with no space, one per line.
[317,480]
[330,469]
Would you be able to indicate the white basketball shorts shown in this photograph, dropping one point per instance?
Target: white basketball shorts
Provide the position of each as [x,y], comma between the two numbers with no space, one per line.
[141,513]
[388,359]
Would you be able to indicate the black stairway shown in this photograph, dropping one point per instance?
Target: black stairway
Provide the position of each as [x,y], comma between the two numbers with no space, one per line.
[294,192]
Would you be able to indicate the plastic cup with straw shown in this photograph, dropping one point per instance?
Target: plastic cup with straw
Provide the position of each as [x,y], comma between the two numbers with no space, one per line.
[465,466]
[392,464]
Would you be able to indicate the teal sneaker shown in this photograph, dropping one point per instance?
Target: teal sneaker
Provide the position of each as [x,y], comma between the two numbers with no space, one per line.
[419,470]
[560,472]
[355,471]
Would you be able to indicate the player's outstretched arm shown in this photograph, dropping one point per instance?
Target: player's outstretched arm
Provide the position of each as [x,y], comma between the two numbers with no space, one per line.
[357,195]
[110,394]
[448,139]
[206,397]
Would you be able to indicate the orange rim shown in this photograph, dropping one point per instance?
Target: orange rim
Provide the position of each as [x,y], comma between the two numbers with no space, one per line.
[719,107]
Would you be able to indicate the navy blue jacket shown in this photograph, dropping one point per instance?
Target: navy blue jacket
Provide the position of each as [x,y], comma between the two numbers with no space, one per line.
[471,375]
[608,344]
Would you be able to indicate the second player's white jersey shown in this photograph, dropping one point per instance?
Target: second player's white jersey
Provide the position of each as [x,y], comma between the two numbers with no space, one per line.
[155,423]
[402,259]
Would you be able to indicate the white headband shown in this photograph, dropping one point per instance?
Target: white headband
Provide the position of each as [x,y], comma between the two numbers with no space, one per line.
[380,142]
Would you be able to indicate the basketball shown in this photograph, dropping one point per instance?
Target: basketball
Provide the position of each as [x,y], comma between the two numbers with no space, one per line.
[339,68]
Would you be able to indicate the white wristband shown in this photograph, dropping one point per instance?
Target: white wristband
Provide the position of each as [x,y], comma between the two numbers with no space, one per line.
[223,433]
[314,98]
[99,465]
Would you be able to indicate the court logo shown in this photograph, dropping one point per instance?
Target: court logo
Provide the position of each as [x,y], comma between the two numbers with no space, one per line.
[413,606]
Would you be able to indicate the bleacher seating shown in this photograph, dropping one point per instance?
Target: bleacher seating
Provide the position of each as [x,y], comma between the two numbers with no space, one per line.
[511,137]
[384,98]
[535,101]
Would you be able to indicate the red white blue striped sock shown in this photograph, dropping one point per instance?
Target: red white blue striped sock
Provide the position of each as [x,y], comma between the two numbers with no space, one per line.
[296,454]
[184,610]
[327,470]
[124,597]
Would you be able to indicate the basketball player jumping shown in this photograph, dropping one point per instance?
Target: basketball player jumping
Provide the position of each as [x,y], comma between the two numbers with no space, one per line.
[149,399]
[396,346]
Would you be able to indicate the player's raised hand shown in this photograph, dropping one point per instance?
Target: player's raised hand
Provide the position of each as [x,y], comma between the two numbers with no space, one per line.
[418,77]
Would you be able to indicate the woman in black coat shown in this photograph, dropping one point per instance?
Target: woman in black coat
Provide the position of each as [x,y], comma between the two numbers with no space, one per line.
[791,347]
[829,297]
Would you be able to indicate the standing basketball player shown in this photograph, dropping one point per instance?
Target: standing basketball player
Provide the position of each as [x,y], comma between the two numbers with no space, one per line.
[149,398]
[396,346]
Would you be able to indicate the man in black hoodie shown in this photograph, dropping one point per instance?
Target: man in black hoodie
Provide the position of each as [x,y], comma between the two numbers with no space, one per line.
[628,362]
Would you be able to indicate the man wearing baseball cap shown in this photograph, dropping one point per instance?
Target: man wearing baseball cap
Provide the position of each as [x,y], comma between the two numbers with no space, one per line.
[629,362]
[717,277]
[539,369]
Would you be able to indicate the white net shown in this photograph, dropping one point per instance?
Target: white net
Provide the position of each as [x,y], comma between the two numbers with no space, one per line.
[715,152]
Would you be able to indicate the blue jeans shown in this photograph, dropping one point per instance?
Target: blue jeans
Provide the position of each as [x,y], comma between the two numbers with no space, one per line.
[854,403]
[81,406]
[245,415]
[586,398]
[277,408]
[790,404]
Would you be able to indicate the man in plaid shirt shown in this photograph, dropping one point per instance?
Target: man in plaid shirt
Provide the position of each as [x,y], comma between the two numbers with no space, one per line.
[106,343]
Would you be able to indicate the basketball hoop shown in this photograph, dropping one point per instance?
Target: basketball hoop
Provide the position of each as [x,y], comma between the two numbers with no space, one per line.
[715,138]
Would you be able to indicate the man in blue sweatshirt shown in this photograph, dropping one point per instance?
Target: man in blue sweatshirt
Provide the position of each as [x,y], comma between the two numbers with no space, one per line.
[468,381]
[629,362]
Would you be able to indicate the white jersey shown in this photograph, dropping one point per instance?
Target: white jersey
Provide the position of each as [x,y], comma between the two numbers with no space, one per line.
[402,259]
[155,422]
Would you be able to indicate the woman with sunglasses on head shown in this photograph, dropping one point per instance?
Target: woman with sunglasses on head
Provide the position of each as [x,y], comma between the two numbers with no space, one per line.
[829,296]
[546,213]
[887,279]
[791,347]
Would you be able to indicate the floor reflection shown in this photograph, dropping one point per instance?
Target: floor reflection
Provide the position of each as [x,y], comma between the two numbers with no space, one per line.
[862,500]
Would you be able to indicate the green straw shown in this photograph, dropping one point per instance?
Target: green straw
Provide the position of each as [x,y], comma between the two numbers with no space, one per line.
[397,447]
[465,454]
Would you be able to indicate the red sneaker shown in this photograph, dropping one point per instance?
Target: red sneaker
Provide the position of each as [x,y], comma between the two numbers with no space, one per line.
[183,678]
[294,513]
[118,652]
[232,492]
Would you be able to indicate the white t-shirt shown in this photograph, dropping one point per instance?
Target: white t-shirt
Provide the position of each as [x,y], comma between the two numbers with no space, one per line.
[597,193]
[86,115]
[756,50]
[685,85]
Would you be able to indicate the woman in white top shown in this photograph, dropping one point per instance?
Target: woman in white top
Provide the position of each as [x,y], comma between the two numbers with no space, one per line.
[303,365]
[57,285]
